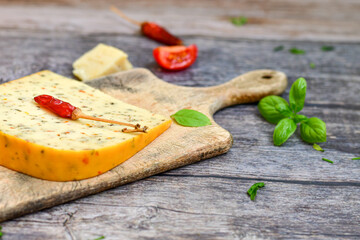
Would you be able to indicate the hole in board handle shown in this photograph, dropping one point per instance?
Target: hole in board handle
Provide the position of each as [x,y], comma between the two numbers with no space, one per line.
[267,76]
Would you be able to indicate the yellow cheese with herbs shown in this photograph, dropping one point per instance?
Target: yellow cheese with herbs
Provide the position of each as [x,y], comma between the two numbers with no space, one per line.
[101,61]
[39,143]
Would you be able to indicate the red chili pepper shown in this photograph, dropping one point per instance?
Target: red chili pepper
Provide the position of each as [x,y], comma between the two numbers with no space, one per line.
[152,30]
[175,57]
[159,34]
[61,108]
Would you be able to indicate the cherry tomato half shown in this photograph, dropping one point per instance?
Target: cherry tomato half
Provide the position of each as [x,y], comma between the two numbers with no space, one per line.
[175,57]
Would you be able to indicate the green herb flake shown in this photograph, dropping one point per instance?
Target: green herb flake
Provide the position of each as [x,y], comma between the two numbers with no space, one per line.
[253,190]
[312,65]
[327,48]
[296,51]
[238,21]
[318,148]
[278,48]
[327,160]
[1,234]
[357,158]
[99,238]
[191,118]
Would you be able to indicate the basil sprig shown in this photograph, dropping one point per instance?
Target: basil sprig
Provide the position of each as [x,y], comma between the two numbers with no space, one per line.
[191,118]
[276,110]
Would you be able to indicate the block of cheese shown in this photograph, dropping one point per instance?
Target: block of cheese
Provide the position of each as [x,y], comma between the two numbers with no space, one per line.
[100,61]
[37,142]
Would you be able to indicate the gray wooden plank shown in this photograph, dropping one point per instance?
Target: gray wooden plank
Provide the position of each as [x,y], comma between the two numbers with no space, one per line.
[178,207]
[219,59]
[272,19]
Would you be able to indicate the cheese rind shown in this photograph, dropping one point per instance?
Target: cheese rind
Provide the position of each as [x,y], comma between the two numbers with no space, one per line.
[36,142]
[100,61]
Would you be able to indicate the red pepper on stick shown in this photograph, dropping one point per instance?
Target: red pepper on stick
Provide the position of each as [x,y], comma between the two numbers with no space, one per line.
[66,110]
[151,30]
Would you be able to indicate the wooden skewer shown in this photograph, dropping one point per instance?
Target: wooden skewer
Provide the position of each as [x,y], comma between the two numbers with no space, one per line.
[77,113]
[122,15]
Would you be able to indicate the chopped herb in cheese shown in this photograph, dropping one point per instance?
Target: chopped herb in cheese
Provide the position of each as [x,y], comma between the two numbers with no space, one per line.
[100,61]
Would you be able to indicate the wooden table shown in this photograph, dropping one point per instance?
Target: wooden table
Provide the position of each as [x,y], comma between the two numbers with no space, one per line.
[304,197]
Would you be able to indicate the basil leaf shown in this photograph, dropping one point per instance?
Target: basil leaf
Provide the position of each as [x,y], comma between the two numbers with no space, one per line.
[253,190]
[357,158]
[297,95]
[239,21]
[313,130]
[296,51]
[327,48]
[278,48]
[267,108]
[300,118]
[283,130]
[284,109]
[318,148]
[191,118]
[99,238]
[1,234]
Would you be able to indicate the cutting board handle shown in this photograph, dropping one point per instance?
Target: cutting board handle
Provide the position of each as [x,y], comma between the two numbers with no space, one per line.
[246,88]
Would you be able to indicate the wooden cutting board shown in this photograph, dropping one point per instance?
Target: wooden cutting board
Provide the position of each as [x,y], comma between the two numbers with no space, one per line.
[178,146]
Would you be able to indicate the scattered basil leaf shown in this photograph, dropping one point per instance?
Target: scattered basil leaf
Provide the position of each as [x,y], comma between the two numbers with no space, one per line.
[296,51]
[313,130]
[267,108]
[283,130]
[357,158]
[253,190]
[278,48]
[1,233]
[327,160]
[327,48]
[284,110]
[318,148]
[99,238]
[297,95]
[300,118]
[191,118]
[239,21]
[312,65]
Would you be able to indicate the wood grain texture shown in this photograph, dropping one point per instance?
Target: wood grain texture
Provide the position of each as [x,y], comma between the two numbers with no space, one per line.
[304,197]
[194,207]
[177,147]
[326,20]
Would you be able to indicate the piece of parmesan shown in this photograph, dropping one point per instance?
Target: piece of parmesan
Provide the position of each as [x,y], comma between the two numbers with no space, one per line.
[100,61]
[39,143]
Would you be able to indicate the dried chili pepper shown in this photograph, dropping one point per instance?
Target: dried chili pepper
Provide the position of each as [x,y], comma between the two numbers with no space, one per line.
[63,109]
[159,34]
[66,110]
[152,30]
